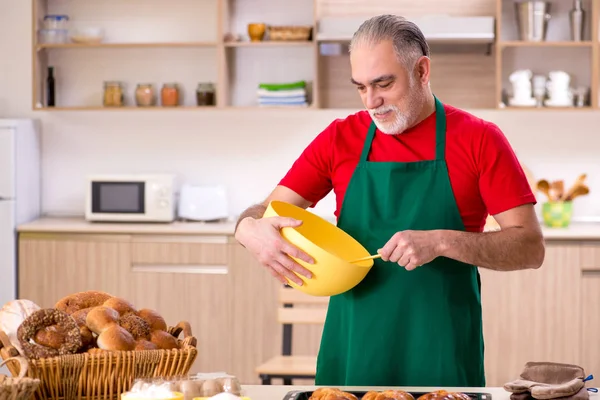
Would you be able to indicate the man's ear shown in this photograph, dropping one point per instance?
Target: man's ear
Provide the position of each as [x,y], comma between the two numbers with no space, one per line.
[423,69]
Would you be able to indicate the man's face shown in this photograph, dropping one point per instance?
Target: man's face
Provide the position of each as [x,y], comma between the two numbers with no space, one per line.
[392,94]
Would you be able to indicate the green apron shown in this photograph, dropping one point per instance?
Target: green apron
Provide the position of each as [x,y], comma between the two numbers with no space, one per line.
[398,327]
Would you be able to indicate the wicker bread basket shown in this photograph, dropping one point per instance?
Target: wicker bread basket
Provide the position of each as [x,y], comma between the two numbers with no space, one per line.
[105,375]
[289,33]
[21,387]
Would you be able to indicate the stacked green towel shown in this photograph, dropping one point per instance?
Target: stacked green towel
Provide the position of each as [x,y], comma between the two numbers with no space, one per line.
[282,94]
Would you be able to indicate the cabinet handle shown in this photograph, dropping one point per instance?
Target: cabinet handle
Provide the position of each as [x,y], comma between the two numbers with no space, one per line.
[590,272]
[205,269]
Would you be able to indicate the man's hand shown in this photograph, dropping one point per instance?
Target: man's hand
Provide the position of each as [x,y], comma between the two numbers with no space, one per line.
[263,239]
[411,249]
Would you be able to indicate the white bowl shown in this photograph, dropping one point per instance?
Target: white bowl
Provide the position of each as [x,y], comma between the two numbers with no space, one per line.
[87,35]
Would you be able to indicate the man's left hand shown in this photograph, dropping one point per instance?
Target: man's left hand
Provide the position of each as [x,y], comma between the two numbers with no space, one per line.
[411,249]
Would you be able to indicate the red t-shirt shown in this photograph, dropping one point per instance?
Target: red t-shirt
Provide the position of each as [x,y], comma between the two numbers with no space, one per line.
[485,174]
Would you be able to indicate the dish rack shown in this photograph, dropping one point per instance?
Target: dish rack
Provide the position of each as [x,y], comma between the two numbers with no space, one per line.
[101,376]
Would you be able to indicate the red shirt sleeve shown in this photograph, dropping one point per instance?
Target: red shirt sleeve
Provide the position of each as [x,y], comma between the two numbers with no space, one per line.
[310,175]
[502,181]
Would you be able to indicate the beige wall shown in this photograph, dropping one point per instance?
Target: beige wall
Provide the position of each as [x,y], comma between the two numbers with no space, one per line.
[246,150]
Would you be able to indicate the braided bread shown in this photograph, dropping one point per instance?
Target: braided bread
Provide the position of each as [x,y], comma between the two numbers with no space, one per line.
[388,395]
[331,394]
[444,395]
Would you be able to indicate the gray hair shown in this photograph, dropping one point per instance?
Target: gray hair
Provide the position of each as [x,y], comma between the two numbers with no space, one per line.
[409,42]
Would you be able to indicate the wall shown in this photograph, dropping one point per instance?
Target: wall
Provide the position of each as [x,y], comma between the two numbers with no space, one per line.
[247,150]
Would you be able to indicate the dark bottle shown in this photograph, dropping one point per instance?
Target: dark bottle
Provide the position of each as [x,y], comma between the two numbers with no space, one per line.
[50,86]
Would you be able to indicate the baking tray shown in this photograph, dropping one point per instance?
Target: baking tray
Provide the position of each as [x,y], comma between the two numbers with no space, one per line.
[305,395]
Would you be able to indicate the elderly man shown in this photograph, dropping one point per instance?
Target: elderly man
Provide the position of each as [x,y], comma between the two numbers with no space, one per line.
[414,180]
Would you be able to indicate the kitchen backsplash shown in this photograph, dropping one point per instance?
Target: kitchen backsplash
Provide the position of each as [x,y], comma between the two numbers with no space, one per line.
[251,152]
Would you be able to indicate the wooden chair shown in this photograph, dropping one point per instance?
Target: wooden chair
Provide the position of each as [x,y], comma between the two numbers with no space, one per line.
[289,313]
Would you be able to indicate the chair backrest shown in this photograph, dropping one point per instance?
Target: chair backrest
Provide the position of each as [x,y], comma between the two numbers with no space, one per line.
[296,307]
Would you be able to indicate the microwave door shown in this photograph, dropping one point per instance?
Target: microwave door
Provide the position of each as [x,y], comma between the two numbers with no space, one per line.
[118,198]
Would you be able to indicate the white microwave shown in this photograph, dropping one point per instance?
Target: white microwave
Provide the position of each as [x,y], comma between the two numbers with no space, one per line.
[131,198]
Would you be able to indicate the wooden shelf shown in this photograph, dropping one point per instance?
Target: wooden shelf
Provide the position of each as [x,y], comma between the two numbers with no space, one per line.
[122,45]
[270,44]
[179,108]
[125,108]
[548,109]
[544,44]
[463,74]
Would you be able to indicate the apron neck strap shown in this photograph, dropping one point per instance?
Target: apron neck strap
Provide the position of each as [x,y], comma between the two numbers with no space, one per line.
[440,130]
[440,134]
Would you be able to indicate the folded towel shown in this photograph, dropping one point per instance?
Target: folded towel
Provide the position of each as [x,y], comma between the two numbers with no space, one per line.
[280,104]
[281,93]
[282,86]
[294,99]
[549,380]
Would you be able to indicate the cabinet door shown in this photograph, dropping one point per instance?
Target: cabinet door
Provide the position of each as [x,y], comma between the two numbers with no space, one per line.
[53,266]
[590,306]
[532,315]
[186,278]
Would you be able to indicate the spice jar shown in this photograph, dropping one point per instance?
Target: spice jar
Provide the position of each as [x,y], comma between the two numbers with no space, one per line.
[113,94]
[170,95]
[205,94]
[144,95]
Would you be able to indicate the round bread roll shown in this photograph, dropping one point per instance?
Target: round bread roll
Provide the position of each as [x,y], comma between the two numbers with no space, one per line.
[143,344]
[153,318]
[122,306]
[138,328]
[101,318]
[163,340]
[81,300]
[81,315]
[116,338]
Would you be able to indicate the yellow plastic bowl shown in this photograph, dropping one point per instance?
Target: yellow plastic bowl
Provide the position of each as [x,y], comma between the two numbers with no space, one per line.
[329,246]
[132,396]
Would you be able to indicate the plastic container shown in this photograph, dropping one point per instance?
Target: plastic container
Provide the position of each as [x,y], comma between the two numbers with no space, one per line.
[329,246]
[56,22]
[53,36]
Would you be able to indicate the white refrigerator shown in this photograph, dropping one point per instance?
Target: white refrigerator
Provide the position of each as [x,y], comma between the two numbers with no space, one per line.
[20,192]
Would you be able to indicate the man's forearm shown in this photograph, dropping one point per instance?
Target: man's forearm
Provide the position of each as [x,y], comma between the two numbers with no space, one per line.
[255,212]
[510,249]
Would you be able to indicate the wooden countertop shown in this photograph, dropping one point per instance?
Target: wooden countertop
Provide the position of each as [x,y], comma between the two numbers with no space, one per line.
[577,231]
[278,392]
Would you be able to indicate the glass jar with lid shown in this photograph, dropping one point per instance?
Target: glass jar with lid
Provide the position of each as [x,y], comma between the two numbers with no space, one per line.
[113,94]
[169,95]
[144,95]
[205,94]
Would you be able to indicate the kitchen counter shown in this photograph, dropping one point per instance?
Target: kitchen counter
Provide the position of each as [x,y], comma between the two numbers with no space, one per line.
[577,231]
[277,392]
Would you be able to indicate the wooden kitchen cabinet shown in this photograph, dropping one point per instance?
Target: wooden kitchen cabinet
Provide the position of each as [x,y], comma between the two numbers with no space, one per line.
[532,315]
[549,314]
[52,266]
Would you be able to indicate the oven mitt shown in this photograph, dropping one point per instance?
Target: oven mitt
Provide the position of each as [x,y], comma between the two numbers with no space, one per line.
[548,380]
[583,394]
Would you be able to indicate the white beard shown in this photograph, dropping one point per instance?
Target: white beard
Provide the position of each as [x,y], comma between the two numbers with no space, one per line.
[399,121]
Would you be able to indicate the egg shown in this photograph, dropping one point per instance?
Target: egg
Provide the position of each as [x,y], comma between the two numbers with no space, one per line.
[231,385]
[211,387]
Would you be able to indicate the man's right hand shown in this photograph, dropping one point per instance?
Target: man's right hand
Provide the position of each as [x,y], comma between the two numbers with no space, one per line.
[262,238]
